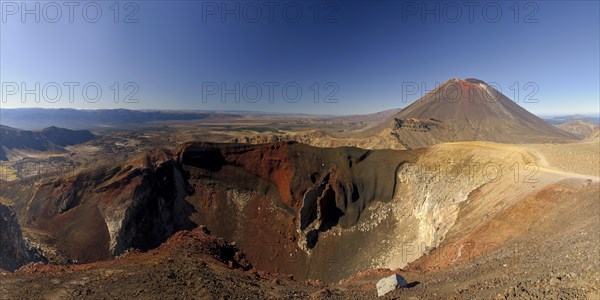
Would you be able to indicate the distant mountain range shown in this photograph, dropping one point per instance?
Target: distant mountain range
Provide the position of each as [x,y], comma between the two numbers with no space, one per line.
[37,118]
[51,139]
[457,110]
[557,120]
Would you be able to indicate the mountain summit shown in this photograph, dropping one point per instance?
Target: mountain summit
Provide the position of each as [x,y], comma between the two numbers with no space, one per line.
[465,110]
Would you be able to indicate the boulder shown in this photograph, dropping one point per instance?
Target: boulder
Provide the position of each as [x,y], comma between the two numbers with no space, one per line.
[388,284]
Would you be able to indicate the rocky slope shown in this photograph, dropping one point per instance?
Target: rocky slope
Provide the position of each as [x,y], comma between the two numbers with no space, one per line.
[191,264]
[99,213]
[291,208]
[284,195]
[14,252]
[594,137]
[461,222]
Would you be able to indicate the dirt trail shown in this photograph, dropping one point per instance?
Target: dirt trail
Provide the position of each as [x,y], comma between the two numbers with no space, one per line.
[577,158]
[540,152]
[545,166]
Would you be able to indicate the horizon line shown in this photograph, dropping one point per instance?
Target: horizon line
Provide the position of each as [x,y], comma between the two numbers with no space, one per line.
[554,114]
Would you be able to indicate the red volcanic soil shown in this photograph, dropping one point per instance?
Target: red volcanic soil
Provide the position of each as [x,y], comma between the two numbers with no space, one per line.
[191,264]
[64,209]
[271,182]
[542,246]
[271,162]
[295,168]
[543,259]
[273,200]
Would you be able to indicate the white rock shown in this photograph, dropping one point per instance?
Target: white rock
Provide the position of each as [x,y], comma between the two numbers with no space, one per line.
[388,284]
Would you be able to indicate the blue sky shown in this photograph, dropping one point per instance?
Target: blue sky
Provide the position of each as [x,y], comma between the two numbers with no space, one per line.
[354,55]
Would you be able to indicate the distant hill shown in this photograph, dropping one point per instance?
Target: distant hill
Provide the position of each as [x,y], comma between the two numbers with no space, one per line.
[594,137]
[51,139]
[37,118]
[565,119]
[580,128]
[468,110]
